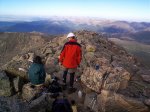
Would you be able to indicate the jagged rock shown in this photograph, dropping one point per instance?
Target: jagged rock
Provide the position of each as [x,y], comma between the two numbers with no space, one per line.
[147,102]
[51,65]
[91,101]
[31,57]
[29,91]
[16,72]
[147,92]
[18,83]
[113,102]
[146,78]
[6,88]
[117,78]
[4,107]
[13,104]
[89,55]
[41,104]
[11,82]
[48,51]
[16,58]
[24,57]
[54,44]
[48,79]
[92,79]
[90,48]
[14,65]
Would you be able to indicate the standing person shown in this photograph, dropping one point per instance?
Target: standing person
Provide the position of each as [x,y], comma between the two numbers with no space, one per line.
[37,72]
[70,58]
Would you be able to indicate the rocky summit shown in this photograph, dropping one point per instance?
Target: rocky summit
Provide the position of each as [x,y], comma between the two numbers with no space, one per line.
[110,79]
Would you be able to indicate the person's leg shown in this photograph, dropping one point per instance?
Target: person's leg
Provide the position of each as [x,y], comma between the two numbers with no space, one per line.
[72,75]
[72,79]
[65,75]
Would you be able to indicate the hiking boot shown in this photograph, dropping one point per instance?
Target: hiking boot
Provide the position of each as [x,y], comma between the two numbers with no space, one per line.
[71,90]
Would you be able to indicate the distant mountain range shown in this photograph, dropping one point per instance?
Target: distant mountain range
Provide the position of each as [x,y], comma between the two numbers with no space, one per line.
[58,25]
[49,27]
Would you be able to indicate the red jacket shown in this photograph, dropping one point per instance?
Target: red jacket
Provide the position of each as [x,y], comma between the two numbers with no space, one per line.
[70,56]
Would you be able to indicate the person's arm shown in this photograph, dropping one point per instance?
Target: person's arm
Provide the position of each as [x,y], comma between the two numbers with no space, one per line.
[43,73]
[62,55]
[79,55]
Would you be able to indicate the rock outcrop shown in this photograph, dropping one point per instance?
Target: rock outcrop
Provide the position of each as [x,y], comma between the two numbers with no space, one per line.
[119,81]
[13,44]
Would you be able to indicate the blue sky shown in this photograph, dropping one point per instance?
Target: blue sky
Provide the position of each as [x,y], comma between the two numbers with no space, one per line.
[138,10]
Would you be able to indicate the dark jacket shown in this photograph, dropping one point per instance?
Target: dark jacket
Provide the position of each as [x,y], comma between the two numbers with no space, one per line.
[37,74]
[61,105]
[70,56]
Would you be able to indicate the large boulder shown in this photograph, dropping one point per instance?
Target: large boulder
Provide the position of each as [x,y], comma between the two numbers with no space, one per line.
[16,74]
[11,81]
[112,102]
[108,77]
[30,92]
[41,104]
[52,65]
[39,100]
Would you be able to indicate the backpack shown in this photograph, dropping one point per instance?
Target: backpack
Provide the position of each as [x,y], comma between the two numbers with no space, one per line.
[54,87]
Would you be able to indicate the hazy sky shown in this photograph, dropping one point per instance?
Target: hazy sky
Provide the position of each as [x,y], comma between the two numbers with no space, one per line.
[138,10]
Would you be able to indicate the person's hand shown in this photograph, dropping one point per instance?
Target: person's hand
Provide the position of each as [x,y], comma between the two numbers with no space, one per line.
[22,69]
[60,64]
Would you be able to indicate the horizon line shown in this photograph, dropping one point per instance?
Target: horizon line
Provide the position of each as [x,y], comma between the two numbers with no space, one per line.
[45,17]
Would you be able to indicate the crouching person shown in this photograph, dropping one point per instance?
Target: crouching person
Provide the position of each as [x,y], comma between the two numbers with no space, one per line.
[37,76]
[37,72]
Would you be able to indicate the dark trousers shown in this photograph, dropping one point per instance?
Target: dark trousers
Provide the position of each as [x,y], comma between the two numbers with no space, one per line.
[71,77]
